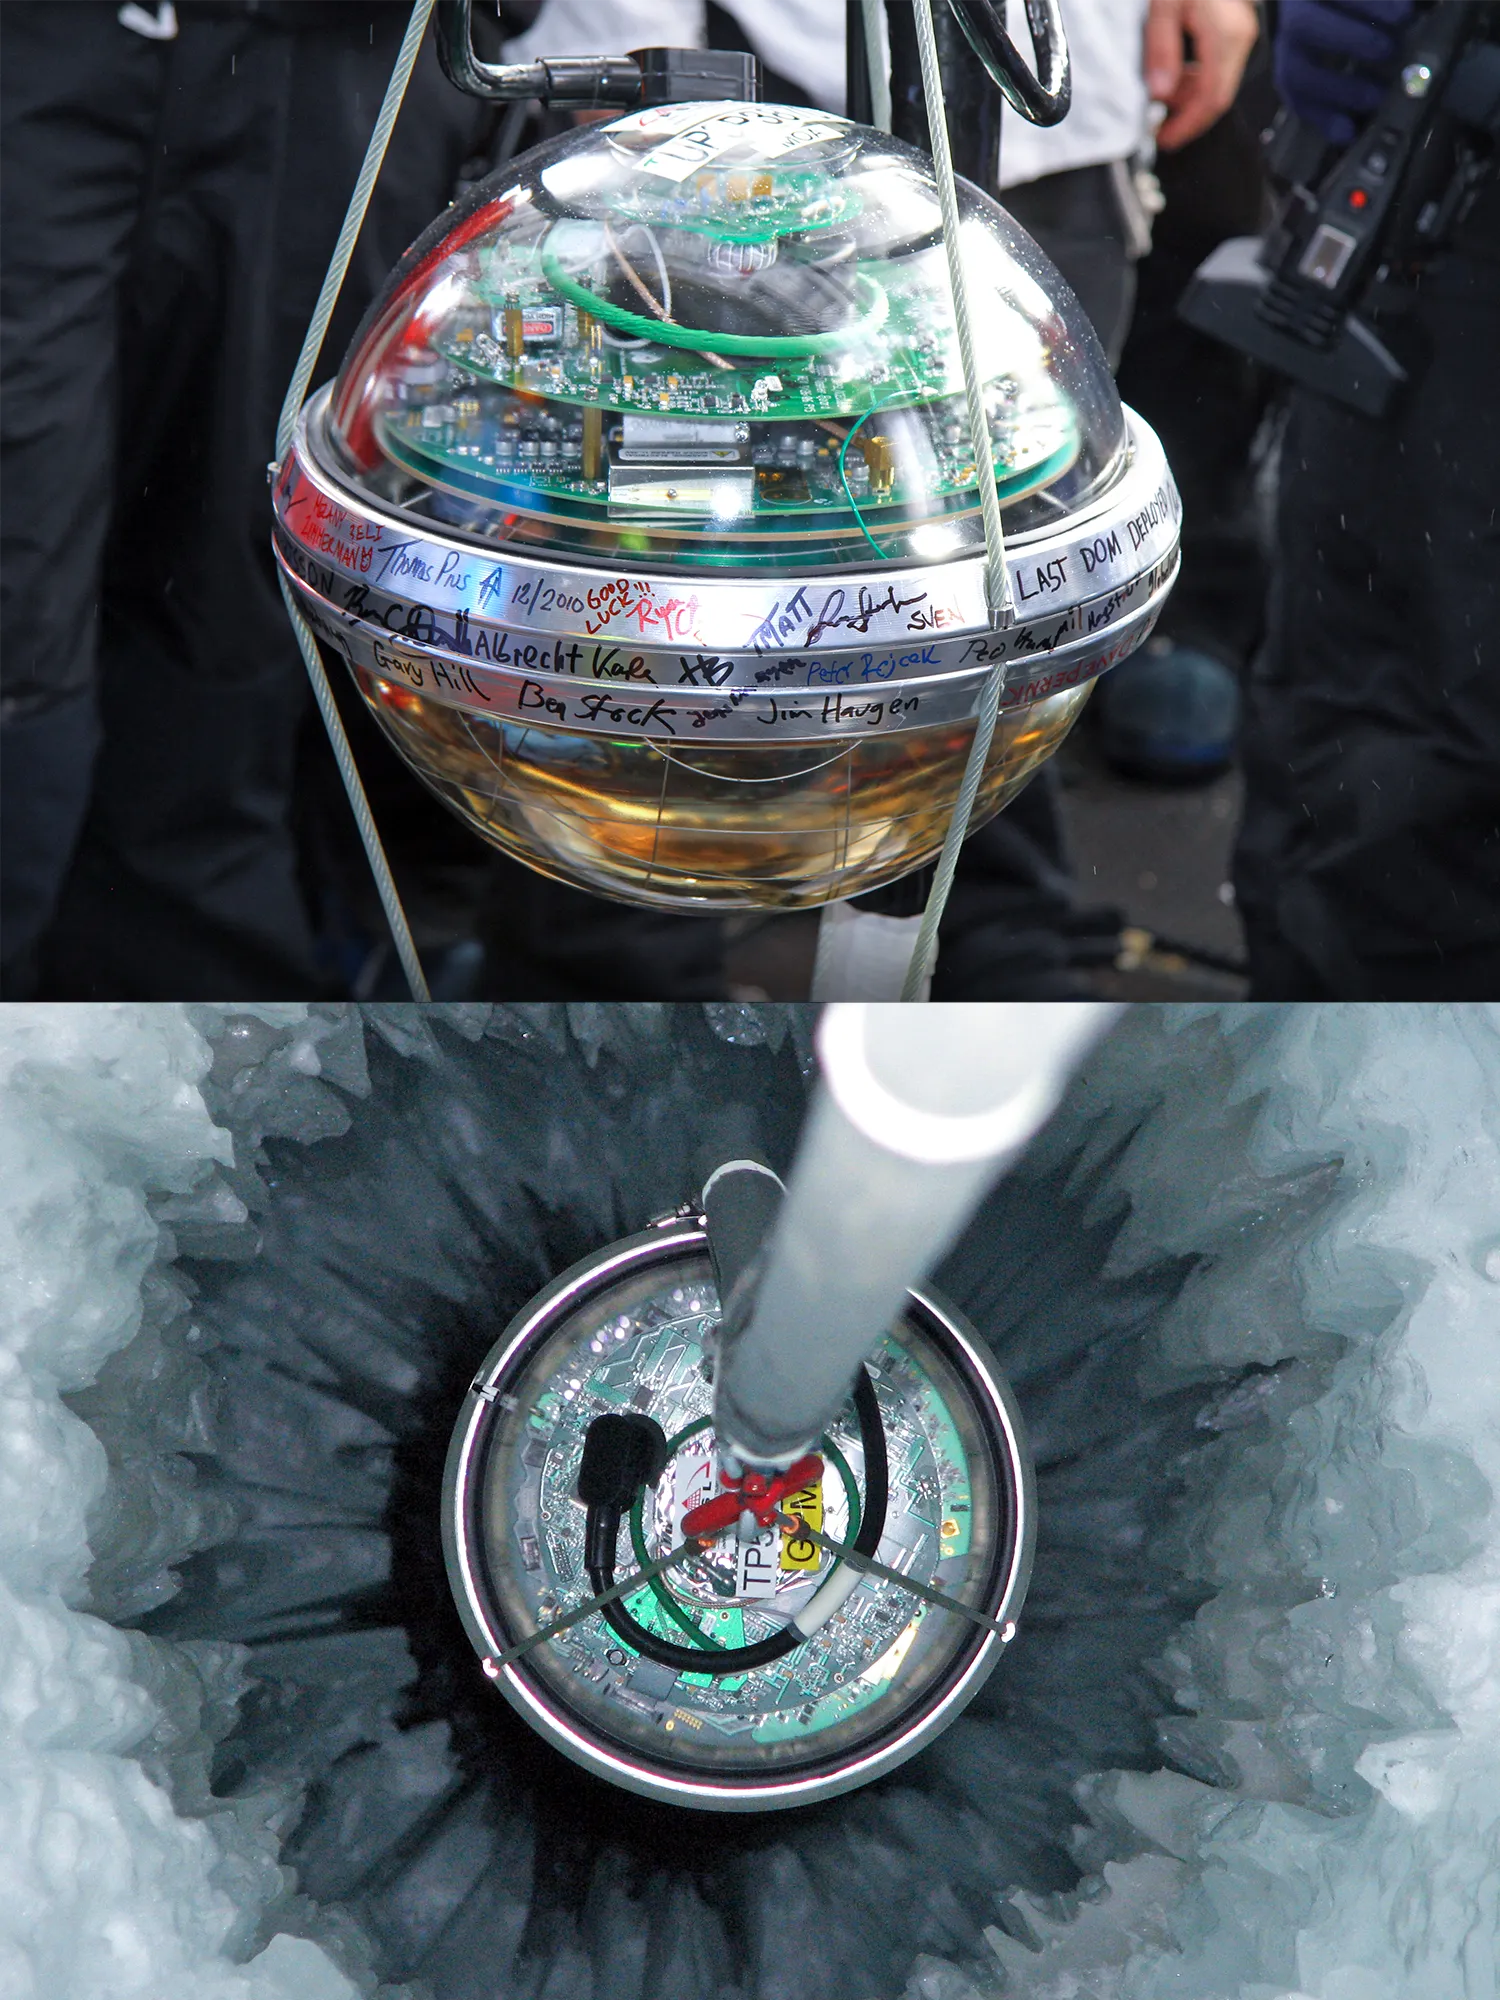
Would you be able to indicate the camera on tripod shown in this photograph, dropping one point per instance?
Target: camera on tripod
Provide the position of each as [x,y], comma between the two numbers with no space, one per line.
[1324,296]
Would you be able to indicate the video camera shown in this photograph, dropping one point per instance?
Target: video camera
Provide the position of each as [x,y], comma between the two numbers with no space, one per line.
[1320,296]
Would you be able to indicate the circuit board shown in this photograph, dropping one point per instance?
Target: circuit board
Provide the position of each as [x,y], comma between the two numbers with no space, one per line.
[780,323]
[736,204]
[914,360]
[521,455]
[653,1358]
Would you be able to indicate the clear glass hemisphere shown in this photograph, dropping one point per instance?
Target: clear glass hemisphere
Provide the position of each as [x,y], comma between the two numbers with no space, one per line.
[694,827]
[868,1678]
[720,336]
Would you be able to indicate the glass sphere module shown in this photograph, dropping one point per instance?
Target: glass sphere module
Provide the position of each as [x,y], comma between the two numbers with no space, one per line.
[645,507]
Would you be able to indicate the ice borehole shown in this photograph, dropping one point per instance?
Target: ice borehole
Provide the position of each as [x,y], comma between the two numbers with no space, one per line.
[1247,1285]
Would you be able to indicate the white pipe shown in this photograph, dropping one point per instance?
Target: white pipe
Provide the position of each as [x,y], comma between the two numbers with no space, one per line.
[920,1112]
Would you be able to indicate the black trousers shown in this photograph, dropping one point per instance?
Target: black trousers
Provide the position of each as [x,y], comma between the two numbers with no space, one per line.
[1368,864]
[1204,401]
[169,208]
[1013,928]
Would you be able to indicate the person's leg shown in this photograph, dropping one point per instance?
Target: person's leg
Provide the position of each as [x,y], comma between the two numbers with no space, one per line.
[546,941]
[441,867]
[184,884]
[1012,929]
[46,769]
[187,880]
[1076,218]
[1368,864]
[1171,714]
[1205,401]
[77,101]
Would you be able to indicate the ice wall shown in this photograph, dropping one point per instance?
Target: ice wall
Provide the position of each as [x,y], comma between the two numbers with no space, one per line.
[1340,1836]
[120,1874]
[1248,1287]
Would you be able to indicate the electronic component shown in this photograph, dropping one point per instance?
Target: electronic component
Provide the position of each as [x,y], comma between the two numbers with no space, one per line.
[645,508]
[744,311]
[600,1394]
[1358,225]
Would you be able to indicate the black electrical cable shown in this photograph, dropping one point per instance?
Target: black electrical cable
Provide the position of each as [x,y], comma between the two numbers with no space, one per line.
[606,1506]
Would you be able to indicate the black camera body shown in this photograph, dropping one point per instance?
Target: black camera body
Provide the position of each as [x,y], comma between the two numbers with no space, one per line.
[1319,298]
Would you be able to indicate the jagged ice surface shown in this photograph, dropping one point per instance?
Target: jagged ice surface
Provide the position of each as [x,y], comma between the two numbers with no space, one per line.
[1248,1288]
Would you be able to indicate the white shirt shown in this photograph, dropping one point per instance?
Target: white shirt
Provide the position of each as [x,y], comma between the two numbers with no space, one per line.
[1108,120]
[804,39]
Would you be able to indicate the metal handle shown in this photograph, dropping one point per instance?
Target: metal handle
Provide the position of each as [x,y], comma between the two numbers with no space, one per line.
[1042,99]
[581,80]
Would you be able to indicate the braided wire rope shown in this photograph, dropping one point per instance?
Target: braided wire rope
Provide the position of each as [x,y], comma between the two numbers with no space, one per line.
[685,1551]
[996,575]
[307,360]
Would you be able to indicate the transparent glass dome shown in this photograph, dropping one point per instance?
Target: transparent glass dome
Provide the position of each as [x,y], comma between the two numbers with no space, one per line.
[720,337]
[746,827]
[644,510]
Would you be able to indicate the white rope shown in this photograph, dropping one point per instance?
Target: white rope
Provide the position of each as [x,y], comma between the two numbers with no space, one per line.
[286,428]
[996,575]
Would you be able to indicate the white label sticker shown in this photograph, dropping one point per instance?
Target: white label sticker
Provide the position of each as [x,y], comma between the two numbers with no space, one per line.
[758,1565]
[695,1478]
[767,130]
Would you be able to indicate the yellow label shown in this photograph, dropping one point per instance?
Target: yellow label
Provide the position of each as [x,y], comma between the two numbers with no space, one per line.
[801,1551]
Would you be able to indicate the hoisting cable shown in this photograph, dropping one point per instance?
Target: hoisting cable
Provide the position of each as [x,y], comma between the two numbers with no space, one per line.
[683,1552]
[307,360]
[877,60]
[857,1559]
[996,575]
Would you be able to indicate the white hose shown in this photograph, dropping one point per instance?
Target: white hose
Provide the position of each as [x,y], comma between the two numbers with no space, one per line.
[918,1114]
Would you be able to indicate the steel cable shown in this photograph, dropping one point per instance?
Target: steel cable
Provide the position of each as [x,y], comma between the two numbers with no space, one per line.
[996,576]
[307,360]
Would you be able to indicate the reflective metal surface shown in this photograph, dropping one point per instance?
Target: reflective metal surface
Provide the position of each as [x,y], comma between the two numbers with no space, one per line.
[627,1329]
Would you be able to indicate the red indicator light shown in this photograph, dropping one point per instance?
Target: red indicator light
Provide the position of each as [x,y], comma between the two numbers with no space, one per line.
[1359,198]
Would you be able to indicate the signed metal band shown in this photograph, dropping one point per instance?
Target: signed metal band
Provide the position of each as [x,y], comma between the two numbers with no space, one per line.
[435,589]
[405,669]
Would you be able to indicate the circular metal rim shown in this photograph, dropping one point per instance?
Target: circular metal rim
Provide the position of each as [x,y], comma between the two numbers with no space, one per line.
[347,540]
[661,1245]
[814,714]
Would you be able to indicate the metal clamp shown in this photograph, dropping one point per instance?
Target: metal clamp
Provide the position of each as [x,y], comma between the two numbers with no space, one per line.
[645,77]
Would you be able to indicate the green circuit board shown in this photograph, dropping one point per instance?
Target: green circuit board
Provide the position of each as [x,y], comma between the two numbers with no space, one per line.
[475,451]
[918,359]
[745,204]
[565,390]
[652,1358]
